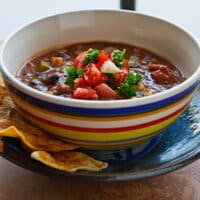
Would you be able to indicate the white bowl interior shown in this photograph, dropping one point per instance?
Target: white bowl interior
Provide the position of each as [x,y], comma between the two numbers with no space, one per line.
[156,35]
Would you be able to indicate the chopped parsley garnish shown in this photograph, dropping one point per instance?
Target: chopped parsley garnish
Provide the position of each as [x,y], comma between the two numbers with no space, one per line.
[127,88]
[118,57]
[91,57]
[111,78]
[79,72]
[72,74]
[133,78]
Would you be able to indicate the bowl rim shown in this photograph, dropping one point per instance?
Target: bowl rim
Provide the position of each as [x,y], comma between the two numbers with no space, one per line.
[194,78]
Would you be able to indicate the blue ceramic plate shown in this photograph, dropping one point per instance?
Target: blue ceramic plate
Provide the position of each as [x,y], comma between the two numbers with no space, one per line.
[176,147]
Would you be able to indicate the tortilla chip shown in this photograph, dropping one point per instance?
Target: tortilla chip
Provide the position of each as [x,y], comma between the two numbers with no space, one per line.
[15,126]
[69,161]
[4,112]
[1,80]
[3,93]
[9,132]
[1,146]
[3,90]
[6,103]
[44,147]
[32,137]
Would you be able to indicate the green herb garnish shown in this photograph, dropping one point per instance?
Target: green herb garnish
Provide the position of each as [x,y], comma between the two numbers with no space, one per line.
[133,78]
[91,57]
[72,74]
[127,88]
[111,78]
[118,57]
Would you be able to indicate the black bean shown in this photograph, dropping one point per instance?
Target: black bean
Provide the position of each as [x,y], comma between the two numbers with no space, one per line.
[49,73]
[148,58]
[64,55]
[51,79]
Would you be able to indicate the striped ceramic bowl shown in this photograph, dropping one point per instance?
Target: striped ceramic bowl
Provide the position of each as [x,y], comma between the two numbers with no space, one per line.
[103,124]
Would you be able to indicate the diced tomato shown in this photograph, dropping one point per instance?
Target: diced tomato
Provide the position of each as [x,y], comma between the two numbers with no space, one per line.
[126,67]
[80,82]
[123,74]
[102,59]
[78,63]
[93,76]
[105,92]
[84,93]
[119,78]
[163,75]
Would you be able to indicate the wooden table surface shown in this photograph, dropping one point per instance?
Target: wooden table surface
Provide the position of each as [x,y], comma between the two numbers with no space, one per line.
[19,184]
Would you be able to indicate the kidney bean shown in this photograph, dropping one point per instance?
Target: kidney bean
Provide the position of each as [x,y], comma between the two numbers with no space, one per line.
[62,88]
[163,75]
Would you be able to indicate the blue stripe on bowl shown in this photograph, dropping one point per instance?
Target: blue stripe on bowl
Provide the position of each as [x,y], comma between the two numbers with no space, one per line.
[103,112]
